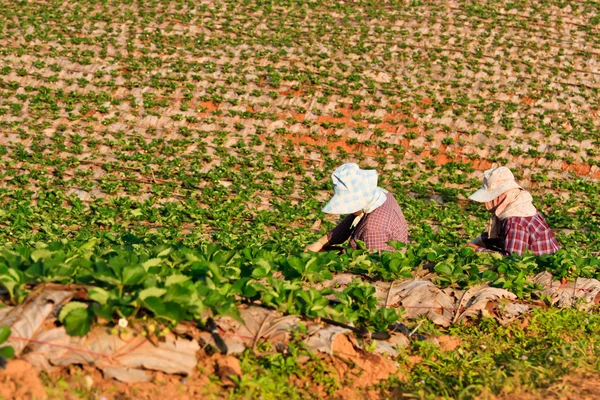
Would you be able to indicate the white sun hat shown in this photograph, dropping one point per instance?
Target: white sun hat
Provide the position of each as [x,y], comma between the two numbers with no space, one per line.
[496,181]
[353,188]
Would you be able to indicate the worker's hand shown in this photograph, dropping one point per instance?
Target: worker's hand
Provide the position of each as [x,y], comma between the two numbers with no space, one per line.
[473,245]
[318,245]
[478,241]
[315,247]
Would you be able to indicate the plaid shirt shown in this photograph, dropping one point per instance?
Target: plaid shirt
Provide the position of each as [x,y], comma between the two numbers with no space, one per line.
[525,233]
[385,223]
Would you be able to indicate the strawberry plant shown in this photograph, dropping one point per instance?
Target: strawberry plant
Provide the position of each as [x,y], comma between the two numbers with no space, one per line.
[6,352]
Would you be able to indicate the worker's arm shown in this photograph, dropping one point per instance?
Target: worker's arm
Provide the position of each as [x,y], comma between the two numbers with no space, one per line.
[338,235]
[318,245]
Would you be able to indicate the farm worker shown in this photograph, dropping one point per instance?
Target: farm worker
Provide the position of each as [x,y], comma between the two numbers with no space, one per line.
[515,225]
[374,216]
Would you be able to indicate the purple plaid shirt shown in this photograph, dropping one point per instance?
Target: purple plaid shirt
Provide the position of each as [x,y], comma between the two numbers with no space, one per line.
[525,233]
[385,223]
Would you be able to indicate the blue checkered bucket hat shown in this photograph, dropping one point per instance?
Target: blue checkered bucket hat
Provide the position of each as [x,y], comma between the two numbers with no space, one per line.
[353,189]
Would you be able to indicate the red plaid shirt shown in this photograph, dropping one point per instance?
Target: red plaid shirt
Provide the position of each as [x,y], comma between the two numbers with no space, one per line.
[525,233]
[384,224]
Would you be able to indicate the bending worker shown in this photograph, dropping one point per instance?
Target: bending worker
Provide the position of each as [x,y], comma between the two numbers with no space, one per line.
[374,216]
[515,225]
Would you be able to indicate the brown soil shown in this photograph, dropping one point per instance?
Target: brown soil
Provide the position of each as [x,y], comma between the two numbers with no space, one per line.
[448,343]
[354,394]
[576,387]
[90,381]
[20,381]
[415,359]
[227,368]
[356,369]
[209,106]
[571,387]
[359,367]
[441,158]
[372,151]
[528,100]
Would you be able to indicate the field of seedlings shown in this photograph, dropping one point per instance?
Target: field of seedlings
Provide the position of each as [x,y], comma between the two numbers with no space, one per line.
[163,164]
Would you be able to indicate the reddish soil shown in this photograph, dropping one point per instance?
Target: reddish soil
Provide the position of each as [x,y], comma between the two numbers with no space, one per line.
[448,343]
[209,106]
[571,387]
[528,100]
[368,368]
[333,145]
[20,381]
[297,116]
[576,387]
[347,121]
[172,387]
[296,93]
[441,158]
[228,368]
[357,371]
[580,169]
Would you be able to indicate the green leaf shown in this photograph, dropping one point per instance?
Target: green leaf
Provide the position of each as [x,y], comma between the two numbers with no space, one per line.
[116,264]
[165,252]
[175,279]
[41,254]
[133,274]
[104,274]
[489,275]
[99,295]
[467,251]
[103,311]
[395,264]
[4,333]
[230,310]
[443,269]
[167,310]
[260,272]
[7,352]
[9,284]
[78,322]
[326,275]
[183,293]
[68,308]
[263,263]
[499,281]
[397,245]
[173,312]
[153,262]
[151,292]
[89,245]
[155,305]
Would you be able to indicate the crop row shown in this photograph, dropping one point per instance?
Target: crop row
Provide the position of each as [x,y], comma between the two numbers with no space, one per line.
[175,283]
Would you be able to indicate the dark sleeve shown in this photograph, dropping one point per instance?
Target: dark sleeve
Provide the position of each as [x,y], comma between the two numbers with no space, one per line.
[515,240]
[342,231]
[483,249]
